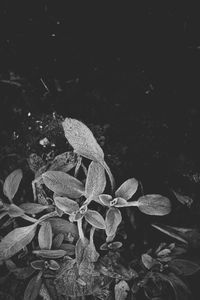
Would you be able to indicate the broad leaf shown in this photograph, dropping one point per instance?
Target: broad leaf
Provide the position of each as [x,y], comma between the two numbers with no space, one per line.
[50,253]
[121,290]
[147,261]
[113,219]
[67,205]
[15,211]
[63,226]
[17,239]
[3,214]
[95,219]
[53,265]
[11,184]
[95,181]
[84,143]
[63,184]
[33,288]
[33,208]
[105,199]
[57,241]
[184,267]
[45,236]
[155,205]
[127,189]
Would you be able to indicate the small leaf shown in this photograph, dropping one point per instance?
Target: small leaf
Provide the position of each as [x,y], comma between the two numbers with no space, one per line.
[14,211]
[147,261]
[45,236]
[120,202]
[33,288]
[11,183]
[171,231]
[113,219]
[105,199]
[63,184]
[69,248]
[16,240]
[38,264]
[95,219]
[115,245]
[183,199]
[155,205]
[127,189]
[50,253]
[95,181]
[33,208]
[121,290]
[57,241]
[64,162]
[53,265]
[185,267]
[63,226]
[67,205]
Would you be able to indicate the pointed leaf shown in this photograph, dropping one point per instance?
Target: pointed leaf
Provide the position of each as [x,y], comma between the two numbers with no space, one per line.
[11,183]
[17,239]
[185,267]
[14,211]
[155,205]
[95,219]
[33,288]
[105,199]
[50,253]
[113,219]
[169,230]
[95,181]
[127,189]
[63,184]
[33,208]
[67,205]
[45,236]
[63,226]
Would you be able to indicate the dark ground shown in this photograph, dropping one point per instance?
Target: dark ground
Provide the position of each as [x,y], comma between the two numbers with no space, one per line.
[135,69]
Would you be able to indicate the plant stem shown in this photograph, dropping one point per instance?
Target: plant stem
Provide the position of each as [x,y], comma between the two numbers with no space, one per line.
[80,229]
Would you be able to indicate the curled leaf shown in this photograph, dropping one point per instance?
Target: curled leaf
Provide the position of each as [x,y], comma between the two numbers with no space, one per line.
[45,236]
[50,253]
[63,184]
[171,231]
[95,181]
[127,189]
[67,205]
[33,208]
[95,219]
[11,184]
[113,219]
[155,205]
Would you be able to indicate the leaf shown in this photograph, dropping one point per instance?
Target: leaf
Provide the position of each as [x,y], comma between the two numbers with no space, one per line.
[127,189]
[14,211]
[121,290]
[69,248]
[95,181]
[115,245]
[169,230]
[57,241]
[50,253]
[38,264]
[63,184]
[95,219]
[3,214]
[17,239]
[84,143]
[185,267]
[33,208]
[67,205]
[63,226]
[183,199]
[11,183]
[33,288]
[45,236]
[113,219]
[105,199]
[53,265]
[119,202]
[64,162]
[23,273]
[155,205]
[147,261]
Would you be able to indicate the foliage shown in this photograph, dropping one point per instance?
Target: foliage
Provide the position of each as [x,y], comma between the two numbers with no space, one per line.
[59,243]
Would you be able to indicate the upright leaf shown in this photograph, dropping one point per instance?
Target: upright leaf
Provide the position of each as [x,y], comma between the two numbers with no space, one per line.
[45,236]
[67,205]
[95,219]
[95,181]
[11,184]
[113,219]
[63,184]
[127,189]
[33,288]
[155,205]
[17,239]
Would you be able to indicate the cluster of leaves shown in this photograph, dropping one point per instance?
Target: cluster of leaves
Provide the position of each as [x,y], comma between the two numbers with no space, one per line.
[57,239]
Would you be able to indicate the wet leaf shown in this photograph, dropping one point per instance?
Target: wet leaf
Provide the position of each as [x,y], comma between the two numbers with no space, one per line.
[95,219]
[11,183]
[113,219]
[69,248]
[63,226]
[127,189]
[105,199]
[155,205]
[67,205]
[16,240]
[147,261]
[185,267]
[14,211]
[33,208]
[95,181]
[57,241]
[45,236]
[33,288]
[63,184]
[50,253]
[121,290]
[164,252]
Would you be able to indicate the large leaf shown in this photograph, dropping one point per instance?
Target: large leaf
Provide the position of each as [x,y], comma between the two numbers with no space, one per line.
[67,205]
[95,181]
[63,226]
[183,266]
[17,239]
[11,184]
[84,143]
[63,184]
[33,208]
[95,219]
[127,189]
[33,288]
[155,205]
[45,236]
[113,219]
